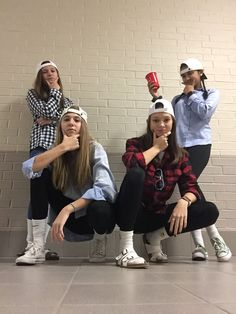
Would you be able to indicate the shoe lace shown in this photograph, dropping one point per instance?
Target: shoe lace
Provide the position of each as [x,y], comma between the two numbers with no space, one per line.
[200,247]
[218,245]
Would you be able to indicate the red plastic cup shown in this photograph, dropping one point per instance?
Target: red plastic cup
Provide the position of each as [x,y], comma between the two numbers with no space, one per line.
[152,78]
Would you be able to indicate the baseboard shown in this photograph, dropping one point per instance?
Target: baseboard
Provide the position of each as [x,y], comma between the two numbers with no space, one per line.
[13,242]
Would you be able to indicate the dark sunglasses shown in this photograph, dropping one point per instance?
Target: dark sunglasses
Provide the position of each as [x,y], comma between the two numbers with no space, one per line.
[159,184]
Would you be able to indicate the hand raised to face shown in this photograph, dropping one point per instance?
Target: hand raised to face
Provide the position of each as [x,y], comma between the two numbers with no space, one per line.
[162,141]
[53,83]
[71,142]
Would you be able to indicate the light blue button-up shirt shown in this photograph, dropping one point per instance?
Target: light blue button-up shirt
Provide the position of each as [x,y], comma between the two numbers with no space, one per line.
[101,187]
[193,114]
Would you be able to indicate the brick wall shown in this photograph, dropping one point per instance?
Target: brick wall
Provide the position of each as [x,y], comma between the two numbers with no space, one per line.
[103,49]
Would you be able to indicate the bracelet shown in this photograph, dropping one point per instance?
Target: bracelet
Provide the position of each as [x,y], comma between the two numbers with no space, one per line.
[187,200]
[73,207]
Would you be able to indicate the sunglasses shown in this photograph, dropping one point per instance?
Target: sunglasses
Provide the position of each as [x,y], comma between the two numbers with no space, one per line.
[159,184]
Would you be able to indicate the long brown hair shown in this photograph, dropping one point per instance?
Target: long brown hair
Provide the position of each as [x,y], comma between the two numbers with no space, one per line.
[75,165]
[176,153]
[42,89]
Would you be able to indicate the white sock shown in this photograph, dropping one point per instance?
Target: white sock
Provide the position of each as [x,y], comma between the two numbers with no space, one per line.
[47,231]
[98,236]
[197,237]
[155,238]
[126,240]
[213,232]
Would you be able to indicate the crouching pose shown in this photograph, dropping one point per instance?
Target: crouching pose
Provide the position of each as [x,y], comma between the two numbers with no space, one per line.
[78,185]
[155,164]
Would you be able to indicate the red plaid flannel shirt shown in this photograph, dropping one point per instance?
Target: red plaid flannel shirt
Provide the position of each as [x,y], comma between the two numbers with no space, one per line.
[180,173]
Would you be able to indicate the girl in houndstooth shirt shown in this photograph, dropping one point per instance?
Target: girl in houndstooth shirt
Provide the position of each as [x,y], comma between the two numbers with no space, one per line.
[46,103]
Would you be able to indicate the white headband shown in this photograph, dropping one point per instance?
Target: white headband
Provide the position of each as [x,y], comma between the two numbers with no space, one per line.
[40,65]
[80,112]
[161,105]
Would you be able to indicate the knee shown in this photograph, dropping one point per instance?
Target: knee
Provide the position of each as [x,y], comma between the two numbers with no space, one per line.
[135,174]
[99,209]
[213,211]
[101,216]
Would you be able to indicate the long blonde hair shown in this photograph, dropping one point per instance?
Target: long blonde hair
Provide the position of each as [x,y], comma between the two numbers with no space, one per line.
[74,166]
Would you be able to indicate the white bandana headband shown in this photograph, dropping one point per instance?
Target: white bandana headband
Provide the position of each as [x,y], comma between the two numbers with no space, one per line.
[161,105]
[42,65]
[80,112]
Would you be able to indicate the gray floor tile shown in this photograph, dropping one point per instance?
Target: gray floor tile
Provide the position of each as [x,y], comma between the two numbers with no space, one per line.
[31,294]
[75,286]
[27,309]
[228,307]
[127,294]
[142,309]
[212,291]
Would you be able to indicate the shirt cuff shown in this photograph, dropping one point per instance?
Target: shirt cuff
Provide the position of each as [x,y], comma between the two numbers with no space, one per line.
[28,171]
[95,194]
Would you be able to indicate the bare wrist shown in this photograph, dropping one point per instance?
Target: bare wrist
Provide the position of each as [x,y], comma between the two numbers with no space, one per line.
[70,208]
[187,200]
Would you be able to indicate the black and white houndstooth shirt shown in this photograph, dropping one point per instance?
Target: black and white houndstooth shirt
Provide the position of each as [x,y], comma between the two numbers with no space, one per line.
[44,136]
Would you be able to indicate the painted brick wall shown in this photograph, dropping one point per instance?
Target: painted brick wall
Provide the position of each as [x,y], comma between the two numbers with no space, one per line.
[103,49]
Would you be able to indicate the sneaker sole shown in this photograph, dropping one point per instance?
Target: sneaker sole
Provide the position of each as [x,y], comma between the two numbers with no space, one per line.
[25,264]
[225,258]
[141,266]
[158,261]
[199,259]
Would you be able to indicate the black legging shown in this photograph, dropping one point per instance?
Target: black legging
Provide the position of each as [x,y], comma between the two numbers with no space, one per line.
[199,156]
[39,190]
[100,215]
[132,215]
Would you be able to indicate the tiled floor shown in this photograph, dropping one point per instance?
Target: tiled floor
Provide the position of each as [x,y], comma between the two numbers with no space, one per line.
[73,286]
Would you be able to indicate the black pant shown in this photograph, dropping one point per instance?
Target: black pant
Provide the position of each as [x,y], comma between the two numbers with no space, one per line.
[132,215]
[199,156]
[100,215]
[39,194]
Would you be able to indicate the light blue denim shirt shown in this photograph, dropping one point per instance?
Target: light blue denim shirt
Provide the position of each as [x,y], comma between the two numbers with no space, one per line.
[193,114]
[101,187]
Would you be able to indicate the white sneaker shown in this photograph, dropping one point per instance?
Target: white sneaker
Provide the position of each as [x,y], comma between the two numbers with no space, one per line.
[155,253]
[222,251]
[97,252]
[33,256]
[25,250]
[199,253]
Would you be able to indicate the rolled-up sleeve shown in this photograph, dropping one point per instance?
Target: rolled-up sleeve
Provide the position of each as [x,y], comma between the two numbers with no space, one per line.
[27,169]
[133,156]
[188,182]
[104,187]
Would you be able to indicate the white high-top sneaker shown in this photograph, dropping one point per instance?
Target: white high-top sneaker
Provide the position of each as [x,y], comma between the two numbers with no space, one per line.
[97,252]
[33,256]
[29,238]
[36,253]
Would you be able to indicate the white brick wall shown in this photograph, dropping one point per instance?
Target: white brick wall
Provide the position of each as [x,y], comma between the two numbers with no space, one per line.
[103,49]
